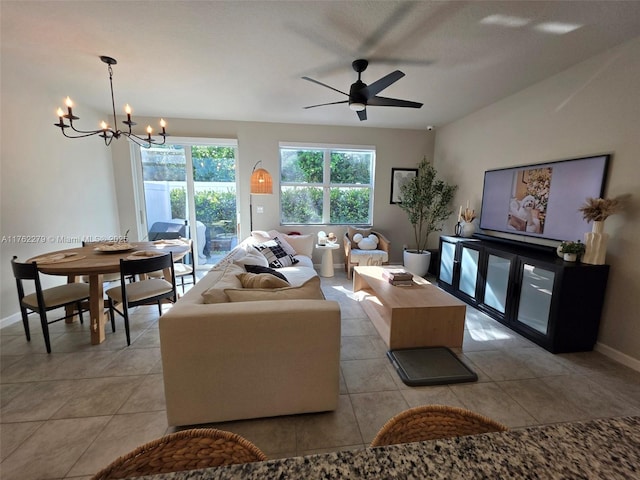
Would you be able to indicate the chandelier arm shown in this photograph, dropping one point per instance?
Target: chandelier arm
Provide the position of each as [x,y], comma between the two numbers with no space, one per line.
[84,134]
[144,142]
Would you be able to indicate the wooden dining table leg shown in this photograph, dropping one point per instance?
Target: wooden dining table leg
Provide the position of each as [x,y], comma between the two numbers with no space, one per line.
[70,309]
[96,309]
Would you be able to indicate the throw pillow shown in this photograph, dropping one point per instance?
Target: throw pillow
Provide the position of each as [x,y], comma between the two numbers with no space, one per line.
[275,254]
[302,244]
[285,246]
[261,269]
[251,257]
[366,243]
[226,279]
[310,290]
[261,280]
[365,232]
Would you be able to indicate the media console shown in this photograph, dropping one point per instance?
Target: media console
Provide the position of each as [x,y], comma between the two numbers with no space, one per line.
[554,303]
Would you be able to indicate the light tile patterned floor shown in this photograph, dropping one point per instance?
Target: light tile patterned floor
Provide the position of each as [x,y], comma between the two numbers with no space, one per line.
[68,414]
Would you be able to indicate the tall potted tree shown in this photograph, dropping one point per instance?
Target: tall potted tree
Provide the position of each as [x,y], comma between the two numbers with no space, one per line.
[426,200]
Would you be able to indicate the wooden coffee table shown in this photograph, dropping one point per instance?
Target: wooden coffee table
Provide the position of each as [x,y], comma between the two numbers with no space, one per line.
[422,315]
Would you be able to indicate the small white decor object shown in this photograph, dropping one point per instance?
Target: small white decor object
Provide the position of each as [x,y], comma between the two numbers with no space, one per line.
[322,238]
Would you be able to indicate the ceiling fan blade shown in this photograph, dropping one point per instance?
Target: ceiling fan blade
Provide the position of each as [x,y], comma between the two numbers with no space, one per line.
[323,104]
[324,85]
[362,114]
[379,85]
[392,102]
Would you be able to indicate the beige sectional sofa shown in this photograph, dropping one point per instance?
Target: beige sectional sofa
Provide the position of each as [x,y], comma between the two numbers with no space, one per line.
[254,352]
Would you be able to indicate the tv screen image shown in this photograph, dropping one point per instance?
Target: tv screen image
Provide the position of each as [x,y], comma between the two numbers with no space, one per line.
[542,200]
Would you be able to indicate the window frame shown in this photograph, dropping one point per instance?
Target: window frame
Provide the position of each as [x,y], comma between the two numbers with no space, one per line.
[326,184]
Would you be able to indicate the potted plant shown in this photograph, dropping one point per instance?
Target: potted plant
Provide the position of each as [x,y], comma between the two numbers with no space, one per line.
[426,201]
[571,250]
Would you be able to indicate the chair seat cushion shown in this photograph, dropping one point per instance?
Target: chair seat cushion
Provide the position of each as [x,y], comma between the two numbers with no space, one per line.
[137,291]
[61,295]
[369,257]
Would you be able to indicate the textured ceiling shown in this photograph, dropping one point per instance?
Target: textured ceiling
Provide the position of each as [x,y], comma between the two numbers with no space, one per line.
[242,60]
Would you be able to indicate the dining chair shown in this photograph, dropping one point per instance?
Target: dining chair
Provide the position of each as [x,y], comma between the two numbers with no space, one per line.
[143,292]
[430,422]
[186,450]
[181,268]
[43,300]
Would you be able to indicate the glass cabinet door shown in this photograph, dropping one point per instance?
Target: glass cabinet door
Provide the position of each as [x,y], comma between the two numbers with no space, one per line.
[497,282]
[469,271]
[447,255]
[535,297]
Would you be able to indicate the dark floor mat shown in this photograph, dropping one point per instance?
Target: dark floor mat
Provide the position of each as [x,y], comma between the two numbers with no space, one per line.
[430,366]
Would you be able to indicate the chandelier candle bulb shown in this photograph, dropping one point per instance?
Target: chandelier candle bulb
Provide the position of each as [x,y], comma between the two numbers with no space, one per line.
[104,125]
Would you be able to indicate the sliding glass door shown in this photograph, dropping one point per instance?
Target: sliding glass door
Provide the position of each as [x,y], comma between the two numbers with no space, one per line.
[189,190]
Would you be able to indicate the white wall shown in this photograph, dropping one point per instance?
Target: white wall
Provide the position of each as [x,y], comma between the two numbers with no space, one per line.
[260,141]
[51,186]
[591,108]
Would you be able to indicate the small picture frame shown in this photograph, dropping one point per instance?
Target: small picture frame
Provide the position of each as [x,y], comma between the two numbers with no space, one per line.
[399,176]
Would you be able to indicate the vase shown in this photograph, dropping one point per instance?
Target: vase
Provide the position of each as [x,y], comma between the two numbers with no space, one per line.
[417,263]
[468,229]
[570,257]
[596,244]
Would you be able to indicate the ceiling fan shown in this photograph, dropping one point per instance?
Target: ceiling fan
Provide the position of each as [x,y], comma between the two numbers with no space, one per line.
[360,94]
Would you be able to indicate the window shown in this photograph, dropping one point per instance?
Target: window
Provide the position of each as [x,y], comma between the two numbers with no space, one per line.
[326,185]
[191,180]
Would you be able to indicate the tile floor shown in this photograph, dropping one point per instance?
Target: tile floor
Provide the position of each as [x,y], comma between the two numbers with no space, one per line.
[68,414]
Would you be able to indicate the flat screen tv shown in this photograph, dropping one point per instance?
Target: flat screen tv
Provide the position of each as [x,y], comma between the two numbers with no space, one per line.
[542,200]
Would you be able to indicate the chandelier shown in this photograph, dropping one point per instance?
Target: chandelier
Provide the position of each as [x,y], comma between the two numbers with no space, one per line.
[105,131]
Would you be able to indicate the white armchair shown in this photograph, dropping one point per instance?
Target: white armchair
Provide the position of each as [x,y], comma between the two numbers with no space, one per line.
[354,256]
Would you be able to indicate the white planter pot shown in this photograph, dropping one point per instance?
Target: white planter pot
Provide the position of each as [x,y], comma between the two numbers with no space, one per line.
[417,263]
[570,257]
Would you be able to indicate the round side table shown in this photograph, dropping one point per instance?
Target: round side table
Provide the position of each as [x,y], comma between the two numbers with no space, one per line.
[326,267]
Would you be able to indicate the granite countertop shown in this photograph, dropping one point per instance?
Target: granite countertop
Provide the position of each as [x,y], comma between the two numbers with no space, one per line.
[600,449]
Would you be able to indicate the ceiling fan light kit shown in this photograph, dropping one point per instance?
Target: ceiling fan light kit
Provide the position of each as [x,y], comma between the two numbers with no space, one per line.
[361,95]
[105,131]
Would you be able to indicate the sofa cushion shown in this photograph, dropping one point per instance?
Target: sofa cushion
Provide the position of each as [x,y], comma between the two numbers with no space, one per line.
[261,280]
[261,269]
[224,278]
[309,290]
[276,254]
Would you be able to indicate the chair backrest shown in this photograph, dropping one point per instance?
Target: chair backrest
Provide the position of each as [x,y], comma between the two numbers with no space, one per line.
[146,264]
[430,422]
[186,450]
[26,271]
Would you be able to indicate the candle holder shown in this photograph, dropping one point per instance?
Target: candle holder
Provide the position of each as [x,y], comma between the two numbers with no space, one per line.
[458,229]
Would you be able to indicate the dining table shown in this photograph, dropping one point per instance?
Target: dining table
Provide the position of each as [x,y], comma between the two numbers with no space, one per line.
[95,260]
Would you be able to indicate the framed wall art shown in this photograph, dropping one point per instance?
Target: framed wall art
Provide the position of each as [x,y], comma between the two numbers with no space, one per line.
[399,176]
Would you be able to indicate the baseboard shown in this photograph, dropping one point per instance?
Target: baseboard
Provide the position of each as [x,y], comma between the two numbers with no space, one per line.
[618,356]
[11,319]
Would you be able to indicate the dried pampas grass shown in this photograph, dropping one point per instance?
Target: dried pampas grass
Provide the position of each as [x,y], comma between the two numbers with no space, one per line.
[598,209]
